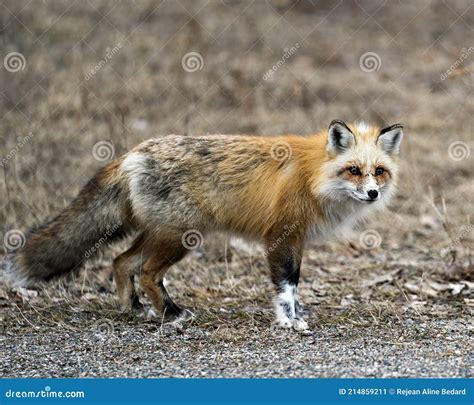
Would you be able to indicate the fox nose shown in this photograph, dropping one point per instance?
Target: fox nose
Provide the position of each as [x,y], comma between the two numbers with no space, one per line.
[373,194]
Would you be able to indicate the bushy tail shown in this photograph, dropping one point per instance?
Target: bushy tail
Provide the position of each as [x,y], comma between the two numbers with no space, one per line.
[94,219]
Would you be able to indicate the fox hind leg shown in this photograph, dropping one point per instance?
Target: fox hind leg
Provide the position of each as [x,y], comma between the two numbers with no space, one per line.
[166,253]
[124,268]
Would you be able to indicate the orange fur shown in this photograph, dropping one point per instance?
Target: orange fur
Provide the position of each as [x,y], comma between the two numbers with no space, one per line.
[278,189]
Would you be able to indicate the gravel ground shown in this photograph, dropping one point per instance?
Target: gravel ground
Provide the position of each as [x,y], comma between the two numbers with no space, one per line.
[146,351]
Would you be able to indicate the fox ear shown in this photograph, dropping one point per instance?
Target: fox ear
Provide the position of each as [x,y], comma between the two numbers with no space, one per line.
[390,138]
[340,137]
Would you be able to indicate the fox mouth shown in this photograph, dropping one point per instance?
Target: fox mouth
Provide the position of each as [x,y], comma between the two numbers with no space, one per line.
[364,200]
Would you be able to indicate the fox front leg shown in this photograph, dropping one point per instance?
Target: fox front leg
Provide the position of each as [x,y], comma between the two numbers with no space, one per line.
[285,261]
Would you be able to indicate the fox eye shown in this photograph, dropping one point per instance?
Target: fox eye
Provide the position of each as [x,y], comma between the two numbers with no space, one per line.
[379,171]
[354,170]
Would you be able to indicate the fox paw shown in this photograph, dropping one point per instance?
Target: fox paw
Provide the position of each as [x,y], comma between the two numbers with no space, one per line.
[300,325]
[284,323]
[183,316]
[296,324]
[173,315]
[131,305]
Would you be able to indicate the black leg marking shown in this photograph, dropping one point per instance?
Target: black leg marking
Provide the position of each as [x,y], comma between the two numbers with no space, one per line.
[172,311]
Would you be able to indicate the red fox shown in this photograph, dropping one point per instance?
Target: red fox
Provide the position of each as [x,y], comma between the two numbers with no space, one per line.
[169,191]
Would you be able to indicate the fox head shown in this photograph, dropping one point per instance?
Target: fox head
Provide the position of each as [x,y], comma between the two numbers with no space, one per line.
[362,163]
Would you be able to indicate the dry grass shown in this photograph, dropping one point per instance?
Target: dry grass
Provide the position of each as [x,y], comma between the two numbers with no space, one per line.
[404,292]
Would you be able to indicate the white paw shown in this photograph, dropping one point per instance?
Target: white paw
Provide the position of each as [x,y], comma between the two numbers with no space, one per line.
[284,323]
[186,315]
[300,324]
[151,313]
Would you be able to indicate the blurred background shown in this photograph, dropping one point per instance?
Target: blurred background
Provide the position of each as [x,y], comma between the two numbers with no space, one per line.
[83,81]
